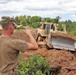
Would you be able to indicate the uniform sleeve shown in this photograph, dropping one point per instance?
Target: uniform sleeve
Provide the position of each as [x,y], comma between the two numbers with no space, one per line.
[19,45]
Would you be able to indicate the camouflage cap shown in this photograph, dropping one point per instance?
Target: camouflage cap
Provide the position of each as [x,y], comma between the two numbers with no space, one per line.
[5,20]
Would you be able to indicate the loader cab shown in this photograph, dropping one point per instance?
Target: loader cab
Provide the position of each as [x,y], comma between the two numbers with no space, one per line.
[47,27]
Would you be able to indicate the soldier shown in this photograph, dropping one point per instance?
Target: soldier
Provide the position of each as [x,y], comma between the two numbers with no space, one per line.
[10,48]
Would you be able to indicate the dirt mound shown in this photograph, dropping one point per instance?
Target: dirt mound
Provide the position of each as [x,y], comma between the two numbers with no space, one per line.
[65,59]
[57,58]
[21,35]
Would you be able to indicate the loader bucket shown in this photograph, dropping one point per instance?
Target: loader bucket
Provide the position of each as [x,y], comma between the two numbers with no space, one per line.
[62,41]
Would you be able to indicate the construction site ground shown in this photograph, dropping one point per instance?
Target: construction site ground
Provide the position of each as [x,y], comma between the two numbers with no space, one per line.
[62,59]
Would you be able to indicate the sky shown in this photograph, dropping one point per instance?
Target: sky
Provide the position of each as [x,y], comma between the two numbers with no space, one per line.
[66,9]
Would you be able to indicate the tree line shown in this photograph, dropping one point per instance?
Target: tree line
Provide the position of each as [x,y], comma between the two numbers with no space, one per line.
[34,21]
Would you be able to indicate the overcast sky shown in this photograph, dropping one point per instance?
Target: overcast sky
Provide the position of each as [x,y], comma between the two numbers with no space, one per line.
[66,9]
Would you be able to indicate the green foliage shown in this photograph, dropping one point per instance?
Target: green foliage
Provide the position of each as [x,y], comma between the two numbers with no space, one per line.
[60,28]
[35,65]
[71,27]
[57,19]
[17,21]
[47,19]
[22,20]
[54,20]
[35,24]
[35,19]
[28,20]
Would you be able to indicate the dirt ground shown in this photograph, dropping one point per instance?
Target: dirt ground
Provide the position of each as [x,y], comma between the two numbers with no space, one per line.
[66,60]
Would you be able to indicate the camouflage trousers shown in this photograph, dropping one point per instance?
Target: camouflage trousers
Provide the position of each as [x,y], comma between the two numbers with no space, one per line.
[11,72]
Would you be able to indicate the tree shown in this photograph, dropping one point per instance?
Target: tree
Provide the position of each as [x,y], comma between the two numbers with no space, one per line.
[22,20]
[28,19]
[57,19]
[47,19]
[35,19]
[16,19]
[35,24]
